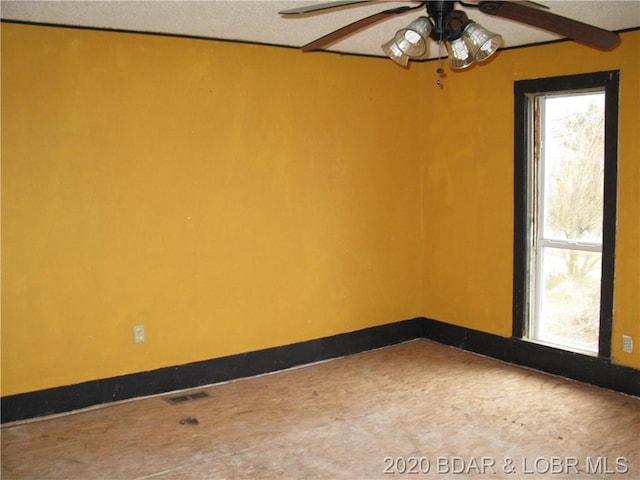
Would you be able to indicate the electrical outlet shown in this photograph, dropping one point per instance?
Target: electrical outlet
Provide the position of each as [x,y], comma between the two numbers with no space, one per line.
[138,334]
[627,343]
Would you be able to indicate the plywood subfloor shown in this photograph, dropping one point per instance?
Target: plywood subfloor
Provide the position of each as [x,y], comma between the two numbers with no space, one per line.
[418,406]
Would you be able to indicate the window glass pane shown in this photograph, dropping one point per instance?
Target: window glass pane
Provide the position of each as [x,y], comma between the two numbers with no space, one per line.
[573,146]
[570,298]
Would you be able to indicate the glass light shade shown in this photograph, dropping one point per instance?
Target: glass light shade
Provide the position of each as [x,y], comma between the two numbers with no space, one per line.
[485,42]
[394,52]
[460,53]
[410,42]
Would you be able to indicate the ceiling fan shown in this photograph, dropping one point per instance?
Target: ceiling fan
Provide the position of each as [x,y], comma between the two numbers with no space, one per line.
[465,40]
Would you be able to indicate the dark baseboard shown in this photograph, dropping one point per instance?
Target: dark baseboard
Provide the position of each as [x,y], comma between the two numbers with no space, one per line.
[583,368]
[596,371]
[73,397]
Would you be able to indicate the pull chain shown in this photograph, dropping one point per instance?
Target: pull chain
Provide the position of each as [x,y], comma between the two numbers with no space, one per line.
[440,71]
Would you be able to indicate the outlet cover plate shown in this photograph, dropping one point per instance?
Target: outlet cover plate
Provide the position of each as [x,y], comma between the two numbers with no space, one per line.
[138,334]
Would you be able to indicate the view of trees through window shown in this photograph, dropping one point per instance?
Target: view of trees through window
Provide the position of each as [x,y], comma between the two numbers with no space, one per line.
[568,218]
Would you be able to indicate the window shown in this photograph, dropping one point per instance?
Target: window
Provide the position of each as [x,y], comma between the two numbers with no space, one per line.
[565,187]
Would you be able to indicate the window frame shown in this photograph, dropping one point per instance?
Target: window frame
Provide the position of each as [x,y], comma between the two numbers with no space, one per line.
[524,90]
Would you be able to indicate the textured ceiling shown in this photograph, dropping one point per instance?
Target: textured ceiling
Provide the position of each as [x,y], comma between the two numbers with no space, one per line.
[259,21]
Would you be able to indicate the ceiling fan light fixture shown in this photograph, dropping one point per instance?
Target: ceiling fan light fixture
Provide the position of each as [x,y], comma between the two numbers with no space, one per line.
[409,42]
[461,53]
[484,42]
[444,24]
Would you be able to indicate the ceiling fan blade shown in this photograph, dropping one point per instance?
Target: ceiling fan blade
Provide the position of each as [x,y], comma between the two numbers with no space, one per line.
[318,7]
[530,3]
[581,32]
[356,27]
[321,6]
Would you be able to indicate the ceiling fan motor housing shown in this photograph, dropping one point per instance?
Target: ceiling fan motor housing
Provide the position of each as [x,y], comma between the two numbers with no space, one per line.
[439,11]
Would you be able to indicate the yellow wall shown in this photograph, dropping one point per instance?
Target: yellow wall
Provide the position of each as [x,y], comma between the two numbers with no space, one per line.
[468,186]
[228,197]
[234,197]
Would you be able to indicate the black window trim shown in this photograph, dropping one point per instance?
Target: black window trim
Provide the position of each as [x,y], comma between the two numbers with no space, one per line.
[523,89]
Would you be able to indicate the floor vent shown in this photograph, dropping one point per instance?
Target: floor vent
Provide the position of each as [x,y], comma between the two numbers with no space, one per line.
[186,398]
